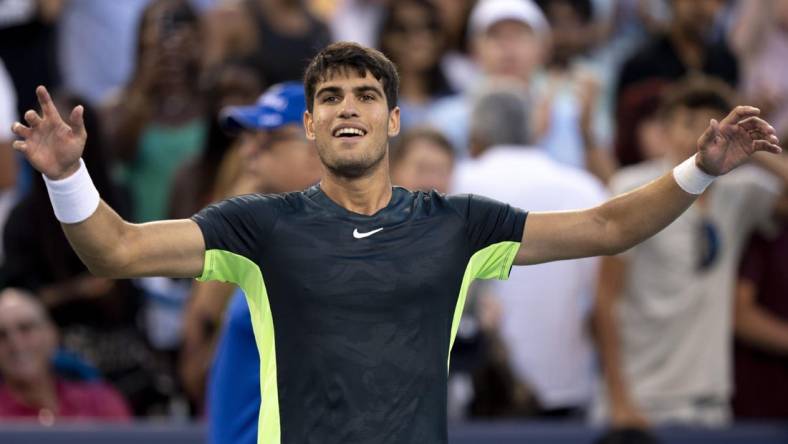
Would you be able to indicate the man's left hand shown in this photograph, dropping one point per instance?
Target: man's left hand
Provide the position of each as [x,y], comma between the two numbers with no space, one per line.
[727,144]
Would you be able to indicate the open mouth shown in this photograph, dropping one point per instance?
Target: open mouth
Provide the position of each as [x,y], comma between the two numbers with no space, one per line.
[349,133]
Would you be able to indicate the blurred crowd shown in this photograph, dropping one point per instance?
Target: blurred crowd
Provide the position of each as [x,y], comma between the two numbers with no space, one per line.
[545,104]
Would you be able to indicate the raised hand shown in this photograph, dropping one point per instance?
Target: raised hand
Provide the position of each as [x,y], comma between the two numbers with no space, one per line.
[50,144]
[727,144]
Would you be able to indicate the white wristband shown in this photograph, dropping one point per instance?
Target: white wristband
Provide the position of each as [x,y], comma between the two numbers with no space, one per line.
[691,178]
[74,198]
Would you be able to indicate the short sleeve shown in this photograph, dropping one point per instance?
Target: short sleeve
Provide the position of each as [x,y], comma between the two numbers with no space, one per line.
[494,230]
[239,225]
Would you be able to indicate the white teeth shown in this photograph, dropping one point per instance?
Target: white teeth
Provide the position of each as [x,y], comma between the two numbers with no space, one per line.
[348,132]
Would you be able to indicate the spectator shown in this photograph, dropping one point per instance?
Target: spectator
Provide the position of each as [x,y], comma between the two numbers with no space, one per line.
[192,189]
[665,343]
[685,47]
[548,303]
[95,67]
[34,62]
[577,124]
[422,159]
[761,326]
[759,41]
[29,387]
[276,37]
[157,122]
[194,183]
[412,37]
[460,70]
[357,21]
[283,160]
[8,162]
[508,40]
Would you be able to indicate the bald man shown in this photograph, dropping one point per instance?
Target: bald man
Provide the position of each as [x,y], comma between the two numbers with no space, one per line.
[29,387]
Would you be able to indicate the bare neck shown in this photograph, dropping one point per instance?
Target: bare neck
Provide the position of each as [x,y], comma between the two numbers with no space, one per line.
[39,394]
[689,48]
[366,195]
[413,86]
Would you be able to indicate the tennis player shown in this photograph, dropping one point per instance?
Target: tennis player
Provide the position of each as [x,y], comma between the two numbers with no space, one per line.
[356,287]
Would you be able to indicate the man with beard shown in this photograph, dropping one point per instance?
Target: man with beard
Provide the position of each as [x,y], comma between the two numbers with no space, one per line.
[356,287]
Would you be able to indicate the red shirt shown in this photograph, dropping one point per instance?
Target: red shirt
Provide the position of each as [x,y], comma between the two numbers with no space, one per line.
[85,401]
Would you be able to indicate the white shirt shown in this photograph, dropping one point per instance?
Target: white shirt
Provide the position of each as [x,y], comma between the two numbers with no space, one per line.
[546,306]
[674,318]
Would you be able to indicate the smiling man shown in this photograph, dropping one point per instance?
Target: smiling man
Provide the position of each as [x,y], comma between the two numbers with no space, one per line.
[356,287]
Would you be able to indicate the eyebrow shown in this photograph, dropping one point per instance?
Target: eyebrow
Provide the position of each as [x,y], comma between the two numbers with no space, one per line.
[357,90]
[329,89]
[368,88]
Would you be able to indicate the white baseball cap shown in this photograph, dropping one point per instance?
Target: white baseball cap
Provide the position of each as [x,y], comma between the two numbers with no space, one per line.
[489,12]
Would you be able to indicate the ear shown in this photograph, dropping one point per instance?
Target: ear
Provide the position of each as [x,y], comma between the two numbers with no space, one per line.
[394,122]
[309,125]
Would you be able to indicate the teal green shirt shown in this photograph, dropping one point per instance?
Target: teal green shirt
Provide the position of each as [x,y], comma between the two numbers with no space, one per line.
[162,149]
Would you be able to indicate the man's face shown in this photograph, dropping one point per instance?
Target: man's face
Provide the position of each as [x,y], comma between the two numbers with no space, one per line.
[425,167]
[350,123]
[571,35]
[27,339]
[509,48]
[696,17]
[685,126]
[282,160]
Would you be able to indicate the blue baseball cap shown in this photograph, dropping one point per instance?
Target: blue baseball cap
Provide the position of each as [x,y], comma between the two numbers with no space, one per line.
[282,104]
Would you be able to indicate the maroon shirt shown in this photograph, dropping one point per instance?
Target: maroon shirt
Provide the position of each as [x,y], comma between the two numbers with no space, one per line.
[88,401]
[760,377]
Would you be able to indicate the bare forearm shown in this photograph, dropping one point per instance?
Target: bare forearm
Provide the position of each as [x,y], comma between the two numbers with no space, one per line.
[606,331]
[756,325]
[99,239]
[633,217]
[202,323]
[600,163]
[751,25]
[762,329]
[608,229]
[112,247]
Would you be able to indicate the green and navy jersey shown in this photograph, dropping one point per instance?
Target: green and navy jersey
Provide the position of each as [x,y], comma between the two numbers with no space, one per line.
[354,316]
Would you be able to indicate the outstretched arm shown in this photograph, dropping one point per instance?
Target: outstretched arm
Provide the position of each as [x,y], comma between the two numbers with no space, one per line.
[630,218]
[108,245]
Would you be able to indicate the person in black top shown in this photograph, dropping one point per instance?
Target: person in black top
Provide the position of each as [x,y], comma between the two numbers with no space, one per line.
[354,286]
[685,48]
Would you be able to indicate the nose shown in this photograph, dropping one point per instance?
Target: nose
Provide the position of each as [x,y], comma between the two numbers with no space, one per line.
[349,109]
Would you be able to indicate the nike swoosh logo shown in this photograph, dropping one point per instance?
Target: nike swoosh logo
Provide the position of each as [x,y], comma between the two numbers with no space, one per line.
[358,235]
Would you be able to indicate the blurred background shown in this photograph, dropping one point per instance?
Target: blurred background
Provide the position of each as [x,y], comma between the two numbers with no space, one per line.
[545,104]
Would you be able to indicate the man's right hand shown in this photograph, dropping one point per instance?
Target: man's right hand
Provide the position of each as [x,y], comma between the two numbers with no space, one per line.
[627,416]
[50,144]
